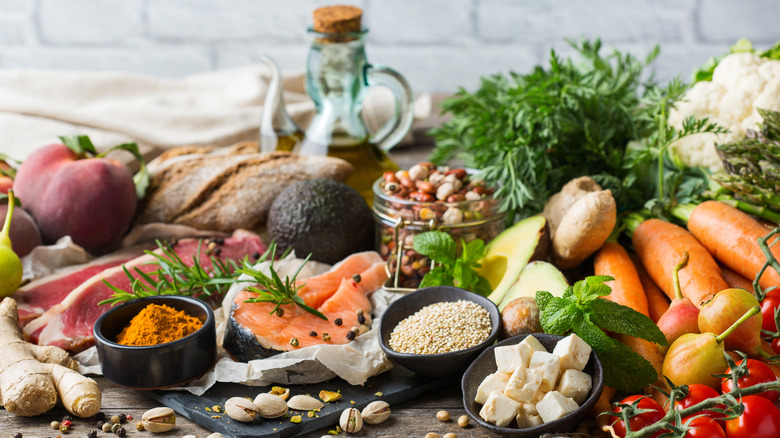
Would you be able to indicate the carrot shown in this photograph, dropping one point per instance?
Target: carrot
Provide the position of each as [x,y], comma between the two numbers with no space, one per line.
[731,236]
[603,404]
[660,246]
[733,279]
[657,301]
[613,260]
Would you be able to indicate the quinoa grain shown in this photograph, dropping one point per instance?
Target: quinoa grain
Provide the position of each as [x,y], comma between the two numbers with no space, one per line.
[442,328]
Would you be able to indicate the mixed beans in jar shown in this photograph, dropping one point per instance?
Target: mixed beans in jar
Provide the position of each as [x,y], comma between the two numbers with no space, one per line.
[409,202]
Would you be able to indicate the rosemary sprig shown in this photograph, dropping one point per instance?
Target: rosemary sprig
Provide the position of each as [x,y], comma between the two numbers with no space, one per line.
[275,290]
[174,277]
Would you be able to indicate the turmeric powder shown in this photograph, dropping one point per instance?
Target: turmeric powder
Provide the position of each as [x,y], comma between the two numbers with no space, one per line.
[158,324]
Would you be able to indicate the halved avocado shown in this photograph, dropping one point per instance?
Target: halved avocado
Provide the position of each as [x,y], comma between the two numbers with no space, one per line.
[507,254]
[536,276]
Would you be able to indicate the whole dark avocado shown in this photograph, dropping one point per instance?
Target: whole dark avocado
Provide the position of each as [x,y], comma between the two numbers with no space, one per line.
[325,218]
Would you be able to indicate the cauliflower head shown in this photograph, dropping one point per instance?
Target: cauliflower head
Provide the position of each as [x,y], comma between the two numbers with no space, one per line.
[740,83]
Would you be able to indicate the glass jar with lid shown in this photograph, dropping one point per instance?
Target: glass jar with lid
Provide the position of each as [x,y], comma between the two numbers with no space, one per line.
[408,203]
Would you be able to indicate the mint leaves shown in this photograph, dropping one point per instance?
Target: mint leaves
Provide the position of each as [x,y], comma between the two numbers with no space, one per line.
[582,310]
[451,269]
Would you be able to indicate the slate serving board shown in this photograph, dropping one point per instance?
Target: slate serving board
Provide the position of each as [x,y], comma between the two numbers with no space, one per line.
[396,385]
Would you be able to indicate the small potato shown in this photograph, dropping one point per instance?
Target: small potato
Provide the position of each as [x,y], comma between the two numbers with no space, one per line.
[520,316]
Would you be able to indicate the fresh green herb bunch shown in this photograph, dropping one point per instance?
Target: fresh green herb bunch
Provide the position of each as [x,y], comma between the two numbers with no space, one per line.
[582,310]
[175,277]
[452,269]
[529,134]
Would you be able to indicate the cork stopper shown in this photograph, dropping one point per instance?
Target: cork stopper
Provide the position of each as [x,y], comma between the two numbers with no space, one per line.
[337,20]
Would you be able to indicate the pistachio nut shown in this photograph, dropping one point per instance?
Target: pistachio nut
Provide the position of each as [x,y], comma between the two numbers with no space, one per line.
[376,412]
[270,406]
[241,409]
[351,421]
[158,420]
[281,392]
[304,403]
[330,396]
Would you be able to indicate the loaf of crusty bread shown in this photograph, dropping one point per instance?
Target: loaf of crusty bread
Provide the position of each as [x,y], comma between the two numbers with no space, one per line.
[223,189]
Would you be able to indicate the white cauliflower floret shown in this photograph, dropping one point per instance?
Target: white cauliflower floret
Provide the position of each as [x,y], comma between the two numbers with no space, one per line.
[740,83]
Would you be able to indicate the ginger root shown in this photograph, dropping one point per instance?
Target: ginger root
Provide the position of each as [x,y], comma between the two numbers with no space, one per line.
[32,376]
[581,217]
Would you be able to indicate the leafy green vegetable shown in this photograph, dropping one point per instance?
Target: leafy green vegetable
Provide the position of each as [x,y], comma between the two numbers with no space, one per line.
[582,310]
[529,134]
[451,269]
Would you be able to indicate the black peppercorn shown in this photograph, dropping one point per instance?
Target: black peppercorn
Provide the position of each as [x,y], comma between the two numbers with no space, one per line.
[67,418]
[361,319]
[255,255]
[217,251]
[18,435]
[313,333]
[122,418]
[356,278]
[100,416]
[100,424]
[92,434]
[337,321]
[351,335]
[121,432]
[219,240]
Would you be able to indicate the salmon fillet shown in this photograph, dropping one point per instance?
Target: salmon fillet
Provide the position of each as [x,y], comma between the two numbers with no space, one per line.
[254,331]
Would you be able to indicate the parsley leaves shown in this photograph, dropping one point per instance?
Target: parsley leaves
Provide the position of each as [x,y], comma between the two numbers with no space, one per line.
[451,269]
[582,310]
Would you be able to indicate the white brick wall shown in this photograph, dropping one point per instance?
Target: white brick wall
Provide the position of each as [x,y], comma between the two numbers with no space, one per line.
[438,44]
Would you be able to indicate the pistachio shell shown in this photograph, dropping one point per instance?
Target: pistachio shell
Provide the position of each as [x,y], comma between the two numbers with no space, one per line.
[351,421]
[159,420]
[241,409]
[270,406]
[376,412]
[304,403]
[281,392]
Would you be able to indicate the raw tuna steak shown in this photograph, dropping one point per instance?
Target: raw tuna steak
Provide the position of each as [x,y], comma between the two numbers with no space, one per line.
[68,325]
[42,294]
[254,331]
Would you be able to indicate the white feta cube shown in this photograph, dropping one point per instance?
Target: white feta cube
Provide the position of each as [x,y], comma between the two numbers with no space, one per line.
[550,365]
[499,409]
[528,347]
[494,382]
[508,358]
[555,405]
[528,420]
[529,408]
[573,351]
[524,386]
[575,385]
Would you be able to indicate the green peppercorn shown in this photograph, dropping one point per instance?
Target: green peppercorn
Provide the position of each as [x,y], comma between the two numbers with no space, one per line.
[54,425]
[64,428]
[115,427]
[115,419]
[106,427]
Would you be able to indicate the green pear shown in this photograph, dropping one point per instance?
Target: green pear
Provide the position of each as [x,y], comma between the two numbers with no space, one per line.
[696,358]
[10,265]
[723,309]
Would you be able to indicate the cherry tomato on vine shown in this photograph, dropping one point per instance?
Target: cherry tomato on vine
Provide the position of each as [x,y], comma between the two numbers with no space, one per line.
[768,305]
[761,419]
[656,412]
[776,345]
[758,372]
[704,427]
[698,393]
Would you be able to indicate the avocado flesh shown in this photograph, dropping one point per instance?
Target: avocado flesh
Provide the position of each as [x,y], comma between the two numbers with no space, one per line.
[534,277]
[507,254]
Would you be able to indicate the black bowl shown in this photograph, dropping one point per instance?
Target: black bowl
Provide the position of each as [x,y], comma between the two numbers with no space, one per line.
[156,366]
[439,365]
[485,365]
